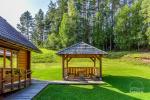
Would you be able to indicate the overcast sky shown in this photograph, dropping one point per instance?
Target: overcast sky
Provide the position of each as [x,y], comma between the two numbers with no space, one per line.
[11,10]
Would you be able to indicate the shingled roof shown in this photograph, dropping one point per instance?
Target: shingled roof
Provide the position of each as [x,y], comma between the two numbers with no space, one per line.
[10,34]
[81,48]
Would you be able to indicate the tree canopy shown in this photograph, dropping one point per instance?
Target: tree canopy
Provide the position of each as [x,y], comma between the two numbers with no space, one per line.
[106,24]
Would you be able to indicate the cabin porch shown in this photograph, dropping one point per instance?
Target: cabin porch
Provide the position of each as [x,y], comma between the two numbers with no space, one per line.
[13,79]
[15,70]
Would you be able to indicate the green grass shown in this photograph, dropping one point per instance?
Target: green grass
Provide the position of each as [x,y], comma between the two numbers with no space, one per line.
[122,75]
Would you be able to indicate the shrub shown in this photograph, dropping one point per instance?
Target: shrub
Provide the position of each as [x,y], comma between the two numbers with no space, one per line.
[47,56]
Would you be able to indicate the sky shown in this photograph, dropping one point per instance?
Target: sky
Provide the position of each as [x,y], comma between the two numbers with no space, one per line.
[11,10]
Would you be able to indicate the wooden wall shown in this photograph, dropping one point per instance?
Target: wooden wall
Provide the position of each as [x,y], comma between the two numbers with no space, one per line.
[24,59]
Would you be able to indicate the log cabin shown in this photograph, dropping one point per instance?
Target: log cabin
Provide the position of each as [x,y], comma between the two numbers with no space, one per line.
[15,58]
[81,50]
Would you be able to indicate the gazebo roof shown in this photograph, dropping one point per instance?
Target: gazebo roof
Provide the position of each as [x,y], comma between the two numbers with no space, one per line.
[81,48]
[10,34]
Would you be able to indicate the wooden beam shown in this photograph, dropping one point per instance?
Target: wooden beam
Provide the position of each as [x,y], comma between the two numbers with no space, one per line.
[69,59]
[81,55]
[65,57]
[99,57]
[11,45]
[92,59]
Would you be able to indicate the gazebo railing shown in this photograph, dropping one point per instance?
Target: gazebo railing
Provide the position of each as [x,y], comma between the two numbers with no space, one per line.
[12,79]
[86,72]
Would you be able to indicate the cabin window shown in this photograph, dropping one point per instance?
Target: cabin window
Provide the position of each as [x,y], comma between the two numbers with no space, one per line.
[6,62]
[1,57]
[14,59]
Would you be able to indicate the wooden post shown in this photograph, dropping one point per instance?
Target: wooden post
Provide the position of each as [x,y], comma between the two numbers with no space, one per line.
[2,81]
[63,66]
[19,78]
[29,68]
[94,66]
[94,62]
[11,61]
[100,60]
[25,78]
[67,66]
[4,58]
[67,62]
[18,71]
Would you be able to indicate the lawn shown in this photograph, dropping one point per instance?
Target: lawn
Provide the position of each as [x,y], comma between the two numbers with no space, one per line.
[125,78]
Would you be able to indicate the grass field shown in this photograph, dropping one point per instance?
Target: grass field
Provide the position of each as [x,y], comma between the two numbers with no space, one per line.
[125,77]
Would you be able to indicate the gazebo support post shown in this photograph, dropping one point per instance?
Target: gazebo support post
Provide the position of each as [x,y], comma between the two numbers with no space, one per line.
[63,62]
[94,62]
[100,60]
[66,72]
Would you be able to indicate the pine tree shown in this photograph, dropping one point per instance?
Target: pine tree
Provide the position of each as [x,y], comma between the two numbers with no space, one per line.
[122,28]
[64,30]
[146,14]
[26,25]
[39,27]
[50,18]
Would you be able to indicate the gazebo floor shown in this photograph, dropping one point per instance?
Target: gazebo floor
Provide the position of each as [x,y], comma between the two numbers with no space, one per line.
[80,78]
[76,82]
[70,82]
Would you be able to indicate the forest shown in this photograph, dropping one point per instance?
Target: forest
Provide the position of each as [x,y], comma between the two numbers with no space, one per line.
[105,24]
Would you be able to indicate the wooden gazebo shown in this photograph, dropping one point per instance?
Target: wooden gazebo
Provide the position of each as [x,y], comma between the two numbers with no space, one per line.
[81,50]
[15,71]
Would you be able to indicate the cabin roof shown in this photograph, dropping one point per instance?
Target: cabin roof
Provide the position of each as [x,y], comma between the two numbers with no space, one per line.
[10,34]
[81,48]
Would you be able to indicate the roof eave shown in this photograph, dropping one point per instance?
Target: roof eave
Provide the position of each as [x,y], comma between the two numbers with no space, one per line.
[21,45]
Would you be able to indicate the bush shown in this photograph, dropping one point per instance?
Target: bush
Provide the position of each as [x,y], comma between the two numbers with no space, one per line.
[53,42]
[47,56]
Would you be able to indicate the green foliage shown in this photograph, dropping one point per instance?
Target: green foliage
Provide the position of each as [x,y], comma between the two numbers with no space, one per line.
[26,25]
[66,30]
[39,28]
[47,56]
[121,28]
[99,36]
[71,8]
[53,42]
[129,28]
[106,24]
[146,14]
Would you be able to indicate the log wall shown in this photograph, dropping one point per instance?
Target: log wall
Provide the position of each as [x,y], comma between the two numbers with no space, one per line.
[23,59]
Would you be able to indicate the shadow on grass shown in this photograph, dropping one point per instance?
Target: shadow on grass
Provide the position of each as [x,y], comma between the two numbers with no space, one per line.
[81,92]
[128,83]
